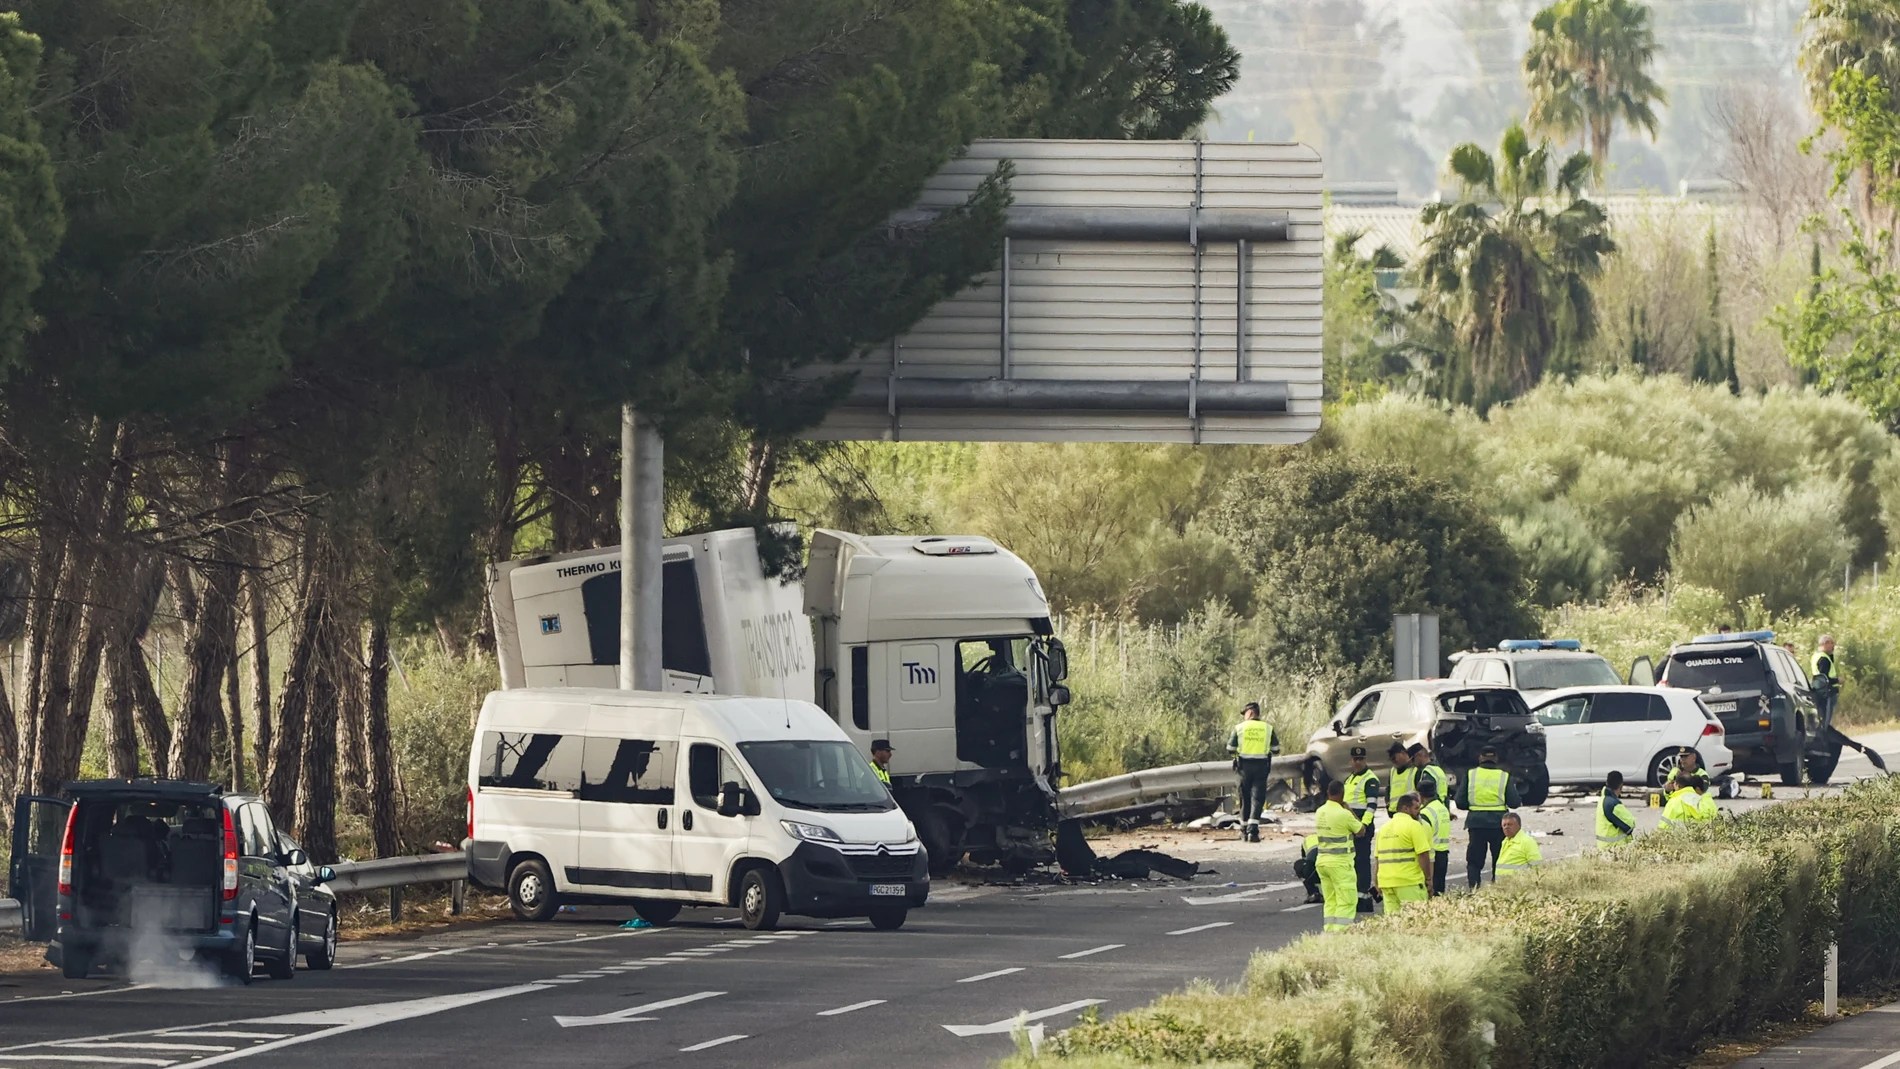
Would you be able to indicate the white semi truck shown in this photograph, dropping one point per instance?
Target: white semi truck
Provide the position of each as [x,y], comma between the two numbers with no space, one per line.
[941,644]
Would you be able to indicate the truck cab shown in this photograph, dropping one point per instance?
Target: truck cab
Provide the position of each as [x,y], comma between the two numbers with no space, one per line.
[943,645]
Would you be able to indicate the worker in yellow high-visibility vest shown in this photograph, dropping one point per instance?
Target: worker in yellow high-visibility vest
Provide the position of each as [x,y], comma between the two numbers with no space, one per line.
[1253,745]
[881,759]
[1403,849]
[1399,782]
[1520,852]
[1436,815]
[1485,793]
[1615,824]
[1337,829]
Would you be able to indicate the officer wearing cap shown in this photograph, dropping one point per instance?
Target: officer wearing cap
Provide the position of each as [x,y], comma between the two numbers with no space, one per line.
[1362,791]
[881,759]
[1485,793]
[1688,767]
[1253,745]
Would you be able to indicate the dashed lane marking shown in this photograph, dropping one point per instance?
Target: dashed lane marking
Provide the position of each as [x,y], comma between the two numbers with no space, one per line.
[989,975]
[712,1043]
[865,1005]
[1201,928]
[1301,908]
[1104,948]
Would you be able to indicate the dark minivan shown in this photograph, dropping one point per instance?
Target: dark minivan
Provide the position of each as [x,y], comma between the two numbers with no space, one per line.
[117,869]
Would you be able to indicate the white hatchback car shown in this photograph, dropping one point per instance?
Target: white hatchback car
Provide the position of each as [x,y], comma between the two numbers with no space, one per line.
[1591,731]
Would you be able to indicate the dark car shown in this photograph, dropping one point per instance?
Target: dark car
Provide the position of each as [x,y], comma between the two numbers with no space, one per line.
[316,906]
[156,867]
[1453,719]
[1764,701]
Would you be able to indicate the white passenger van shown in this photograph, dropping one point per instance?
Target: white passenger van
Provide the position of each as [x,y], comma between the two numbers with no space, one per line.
[669,800]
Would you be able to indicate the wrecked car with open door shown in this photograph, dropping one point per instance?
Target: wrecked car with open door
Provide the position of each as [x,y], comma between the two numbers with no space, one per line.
[1453,718]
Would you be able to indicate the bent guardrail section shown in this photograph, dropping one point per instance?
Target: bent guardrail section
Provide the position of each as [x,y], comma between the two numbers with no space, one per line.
[1155,786]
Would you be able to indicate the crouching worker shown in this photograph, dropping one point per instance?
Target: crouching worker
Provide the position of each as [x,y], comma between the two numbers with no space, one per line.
[1306,867]
[1519,852]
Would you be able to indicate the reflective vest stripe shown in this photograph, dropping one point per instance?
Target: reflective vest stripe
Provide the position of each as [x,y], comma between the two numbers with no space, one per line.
[1356,788]
[1488,787]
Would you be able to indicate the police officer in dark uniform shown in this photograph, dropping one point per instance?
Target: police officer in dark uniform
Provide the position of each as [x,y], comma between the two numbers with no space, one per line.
[881,759]
[1362,793]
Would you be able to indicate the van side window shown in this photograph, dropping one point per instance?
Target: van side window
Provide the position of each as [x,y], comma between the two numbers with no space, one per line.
[530,761]
[709,768]
[638,771]
[251,832]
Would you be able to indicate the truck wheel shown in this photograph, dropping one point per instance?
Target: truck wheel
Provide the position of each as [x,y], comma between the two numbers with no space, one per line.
[761,899]
[888,918]
[942,834]
[1821,766]
[531,891]
[656,912]
[75,964]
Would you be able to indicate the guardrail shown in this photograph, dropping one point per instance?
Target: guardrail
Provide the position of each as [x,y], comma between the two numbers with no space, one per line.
[391,873]
[1155,786]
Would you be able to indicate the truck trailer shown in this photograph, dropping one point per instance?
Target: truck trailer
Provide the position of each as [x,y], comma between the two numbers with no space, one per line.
[941,644]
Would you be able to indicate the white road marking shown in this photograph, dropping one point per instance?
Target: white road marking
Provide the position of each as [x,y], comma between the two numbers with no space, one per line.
[853,922]
[616,970]
[712,1043]
[414,957]
[1301,907]
[82,994]
[582,975]
[865,1005]
[557,980]
[633,1013]
[81,1044]
[989,975]
[1092,950]
[115,1058]
[1201,928]
[357,1018]
[226,1035]
[1883,1063]
[1010,1024]
[1241,896]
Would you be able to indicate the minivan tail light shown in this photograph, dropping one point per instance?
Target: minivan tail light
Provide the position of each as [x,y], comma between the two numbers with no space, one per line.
[66,853]
[230,857]
[471,814]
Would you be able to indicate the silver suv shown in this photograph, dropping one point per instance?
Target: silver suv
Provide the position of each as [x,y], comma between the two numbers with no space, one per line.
[1535,664]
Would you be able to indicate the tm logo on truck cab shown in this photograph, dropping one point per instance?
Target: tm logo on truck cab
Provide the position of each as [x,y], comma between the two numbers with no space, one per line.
[917,672]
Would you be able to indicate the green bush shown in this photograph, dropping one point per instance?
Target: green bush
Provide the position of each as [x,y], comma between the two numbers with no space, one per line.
[432,707]
[1788,549]
[1626,959]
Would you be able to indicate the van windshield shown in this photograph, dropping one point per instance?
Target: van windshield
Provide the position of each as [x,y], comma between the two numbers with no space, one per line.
[830,777]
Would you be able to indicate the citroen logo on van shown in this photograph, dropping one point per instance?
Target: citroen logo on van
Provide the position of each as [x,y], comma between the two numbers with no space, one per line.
[883,850]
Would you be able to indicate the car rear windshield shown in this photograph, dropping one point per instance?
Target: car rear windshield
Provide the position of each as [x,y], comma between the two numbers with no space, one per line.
[1739,667]
[1484,703]
[1567,672]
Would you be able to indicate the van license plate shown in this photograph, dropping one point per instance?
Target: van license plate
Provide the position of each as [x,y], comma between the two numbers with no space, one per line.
[894,890]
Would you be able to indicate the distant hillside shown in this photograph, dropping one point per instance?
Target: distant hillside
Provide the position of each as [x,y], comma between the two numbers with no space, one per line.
[1385,88]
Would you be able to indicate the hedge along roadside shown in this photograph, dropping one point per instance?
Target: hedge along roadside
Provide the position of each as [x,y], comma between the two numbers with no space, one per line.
[1626,960]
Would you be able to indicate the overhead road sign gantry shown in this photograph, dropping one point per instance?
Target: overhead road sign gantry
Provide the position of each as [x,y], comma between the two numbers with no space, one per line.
[1149,291]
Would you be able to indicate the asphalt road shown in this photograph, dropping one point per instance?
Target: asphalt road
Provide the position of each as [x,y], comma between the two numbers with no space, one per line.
[947,990]
[944,991]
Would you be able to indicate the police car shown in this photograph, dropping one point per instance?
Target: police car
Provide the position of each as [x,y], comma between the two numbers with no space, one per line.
[1764,700]
[1535,664]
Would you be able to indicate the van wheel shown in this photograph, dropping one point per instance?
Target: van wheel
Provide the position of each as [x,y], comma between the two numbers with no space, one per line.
[761,899]
[531,891]
[74,964]
[889,918]
[657,912]
[324,956]
[285,967]
[241,963]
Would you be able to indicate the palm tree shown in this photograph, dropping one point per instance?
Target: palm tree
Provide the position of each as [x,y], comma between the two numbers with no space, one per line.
[1505,270]
[1588,69]
[1861,35]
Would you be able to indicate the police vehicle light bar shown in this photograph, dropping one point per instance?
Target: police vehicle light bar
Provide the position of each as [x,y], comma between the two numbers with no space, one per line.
[1737,636]
[1511,645]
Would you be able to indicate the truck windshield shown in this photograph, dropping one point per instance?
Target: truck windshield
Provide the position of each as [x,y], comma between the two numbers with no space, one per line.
[1568,672]
[830,777]
[1736,668]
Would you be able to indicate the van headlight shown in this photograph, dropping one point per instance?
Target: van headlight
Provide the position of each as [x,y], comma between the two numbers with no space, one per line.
[811,833]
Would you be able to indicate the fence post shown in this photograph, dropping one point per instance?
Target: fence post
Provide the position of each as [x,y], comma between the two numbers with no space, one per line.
[395,905]
[1831,983]
[458,896]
